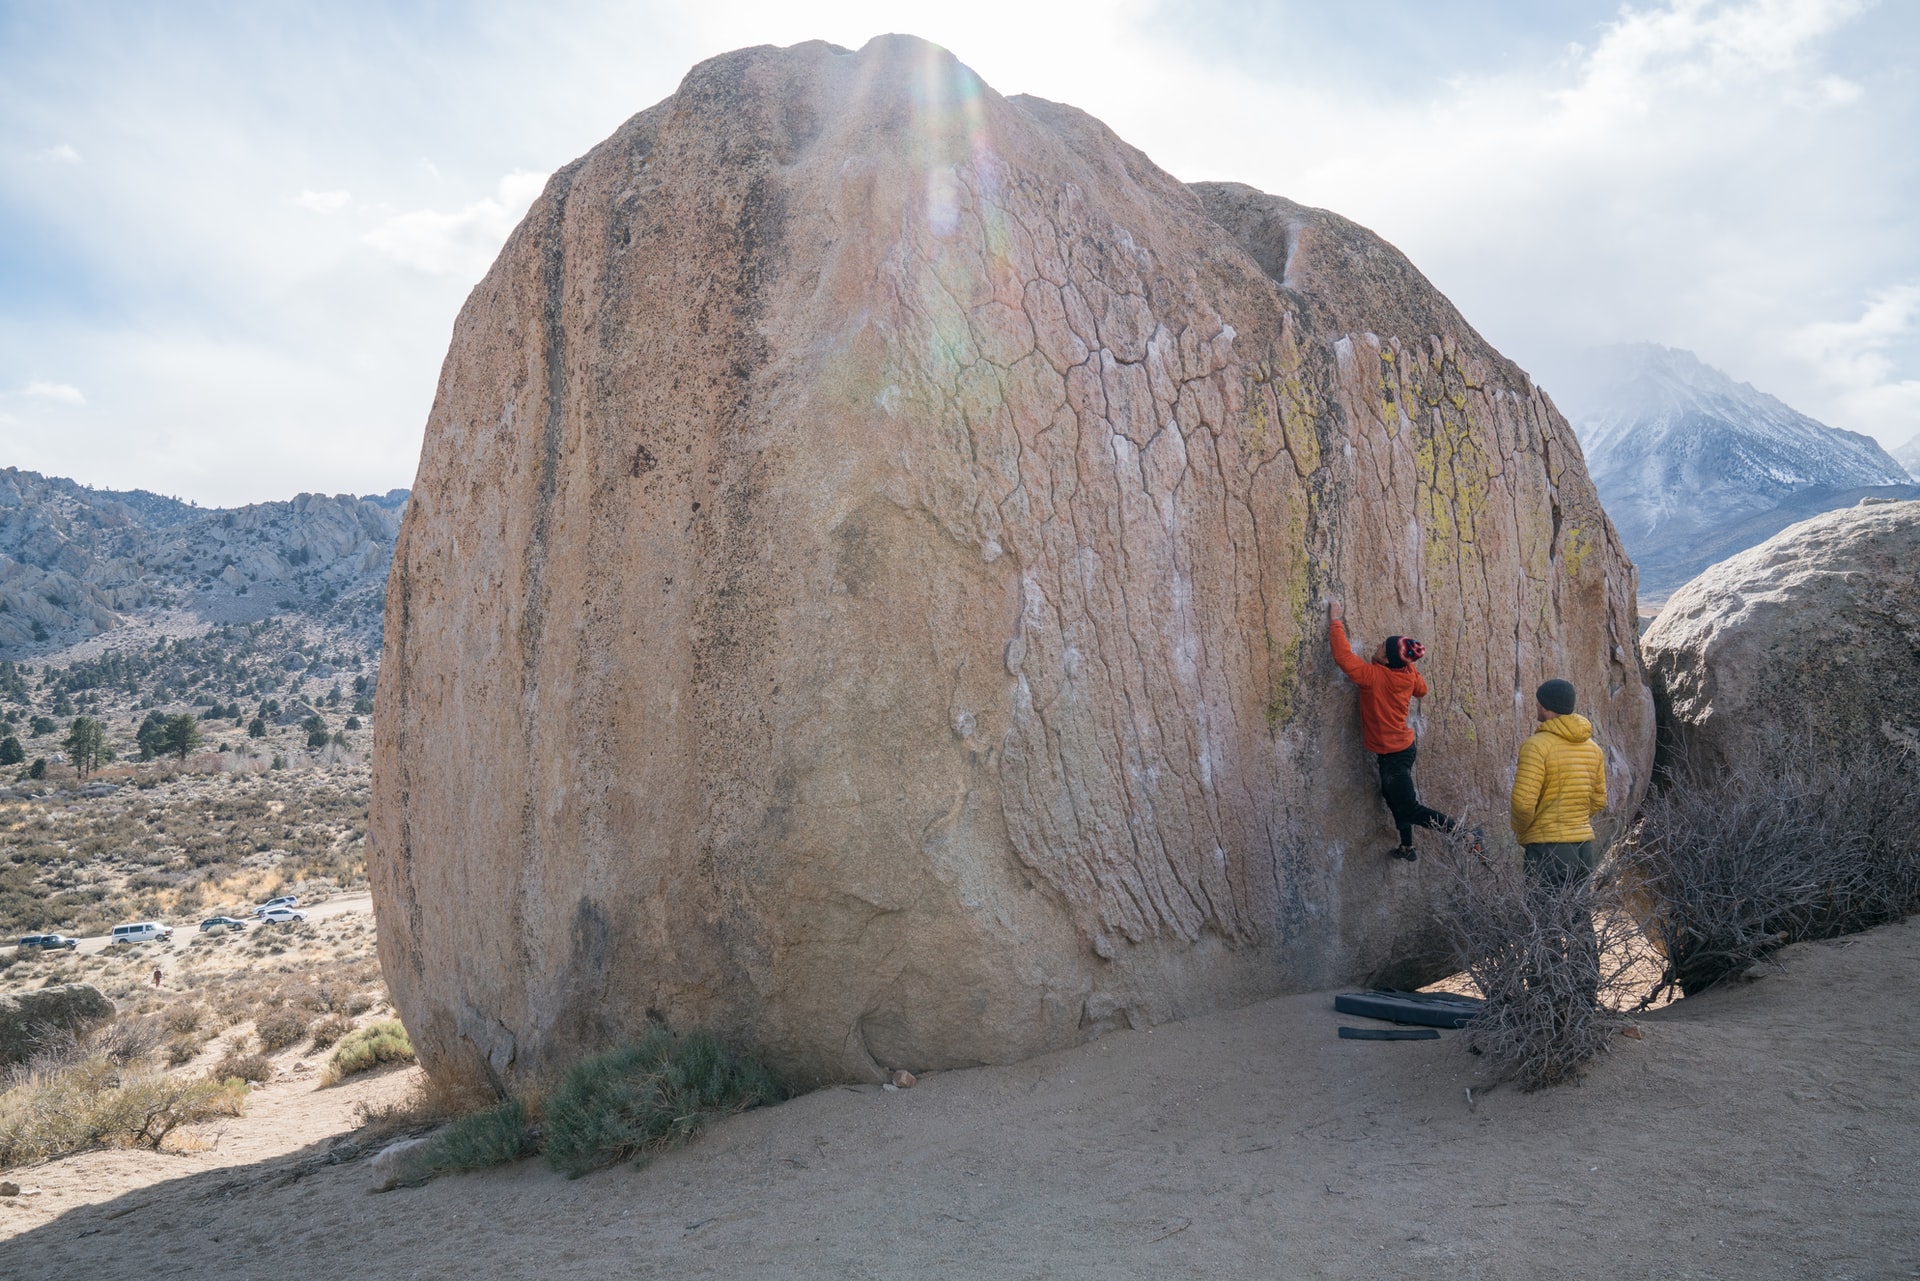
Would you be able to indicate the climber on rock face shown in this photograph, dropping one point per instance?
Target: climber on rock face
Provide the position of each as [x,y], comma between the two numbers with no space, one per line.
[1387,685]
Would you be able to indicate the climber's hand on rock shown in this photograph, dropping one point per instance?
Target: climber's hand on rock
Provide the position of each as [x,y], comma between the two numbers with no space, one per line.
[1335,609]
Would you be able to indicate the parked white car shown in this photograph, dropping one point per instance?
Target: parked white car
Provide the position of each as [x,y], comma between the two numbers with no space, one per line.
[140,932]
[279,915]
[285,900]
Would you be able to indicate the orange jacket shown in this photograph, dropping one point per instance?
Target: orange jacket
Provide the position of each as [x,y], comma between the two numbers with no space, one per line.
[1384,695]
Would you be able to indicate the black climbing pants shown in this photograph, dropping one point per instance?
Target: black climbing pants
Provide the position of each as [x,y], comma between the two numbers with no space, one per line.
[1396,788]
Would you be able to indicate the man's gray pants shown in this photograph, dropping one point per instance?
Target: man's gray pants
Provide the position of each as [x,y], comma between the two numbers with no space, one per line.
[1553,870]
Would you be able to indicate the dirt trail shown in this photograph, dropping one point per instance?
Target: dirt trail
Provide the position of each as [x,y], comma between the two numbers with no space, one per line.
[1768,1130]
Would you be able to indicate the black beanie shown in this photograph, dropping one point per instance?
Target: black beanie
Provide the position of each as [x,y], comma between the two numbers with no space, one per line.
[1394,658]
[1556,696]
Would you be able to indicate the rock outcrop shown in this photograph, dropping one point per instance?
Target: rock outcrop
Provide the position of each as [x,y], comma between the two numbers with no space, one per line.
[37,1020]
[1809,641]
[861,591]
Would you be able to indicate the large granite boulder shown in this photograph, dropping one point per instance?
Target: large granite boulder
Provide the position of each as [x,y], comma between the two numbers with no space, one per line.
[45,1017]
[862,589]
[1809,641]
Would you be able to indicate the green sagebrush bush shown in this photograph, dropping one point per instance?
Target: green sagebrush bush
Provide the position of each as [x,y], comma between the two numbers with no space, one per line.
[636,1100]
[95,1102]
[481,1140]
[382,1042]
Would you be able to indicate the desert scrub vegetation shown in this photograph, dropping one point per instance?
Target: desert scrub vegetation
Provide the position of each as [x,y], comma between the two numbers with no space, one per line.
[430,1102]
[58,1107]
[327,1030]
[242,1065]
[384,1041]
[1553,963]
[630,1103]
[184,845]
[1726,867]
[278,1029]
[480,1140]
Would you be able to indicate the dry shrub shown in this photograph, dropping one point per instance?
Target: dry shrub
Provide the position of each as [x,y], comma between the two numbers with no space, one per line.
[329,1029]
[128,1040]
[281,1028]
[1550,960]
[341,998]
[96,1102]
[183,1018]
[238,1066]
[368,1047]
[240,1000]
[1728,866]
[429,1103]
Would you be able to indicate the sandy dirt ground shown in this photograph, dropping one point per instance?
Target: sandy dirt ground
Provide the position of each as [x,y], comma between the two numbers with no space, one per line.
[1770,1129]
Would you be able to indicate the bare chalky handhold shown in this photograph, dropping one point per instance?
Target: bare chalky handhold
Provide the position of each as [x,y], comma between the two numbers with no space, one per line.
[860,594]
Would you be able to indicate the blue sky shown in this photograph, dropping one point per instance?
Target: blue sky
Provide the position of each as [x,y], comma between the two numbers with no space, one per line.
[233,237]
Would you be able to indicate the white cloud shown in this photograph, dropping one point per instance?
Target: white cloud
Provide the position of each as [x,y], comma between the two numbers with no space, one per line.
[462,243]
[1715,174]
[64,393]
[324,202]
[1695,174]
[1851,357]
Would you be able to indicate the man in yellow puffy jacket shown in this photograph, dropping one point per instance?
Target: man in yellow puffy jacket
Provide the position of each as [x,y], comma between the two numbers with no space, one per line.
[1559,785]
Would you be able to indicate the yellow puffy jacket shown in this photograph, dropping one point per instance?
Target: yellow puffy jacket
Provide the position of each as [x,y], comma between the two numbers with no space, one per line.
[1560,784]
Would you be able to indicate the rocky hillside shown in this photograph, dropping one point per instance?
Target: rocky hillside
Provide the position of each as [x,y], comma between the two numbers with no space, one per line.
[75,562]
[1693,466]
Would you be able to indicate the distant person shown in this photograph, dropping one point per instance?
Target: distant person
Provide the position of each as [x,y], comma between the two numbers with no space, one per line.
[156,976]
[1558,786]
[1388,684]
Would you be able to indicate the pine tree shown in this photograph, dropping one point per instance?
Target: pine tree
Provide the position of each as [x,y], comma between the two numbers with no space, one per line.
[181,734]
[84,741]
[151,736]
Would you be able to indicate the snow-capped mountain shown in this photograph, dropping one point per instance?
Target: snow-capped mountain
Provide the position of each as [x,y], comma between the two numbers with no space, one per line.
[1687,460]
[1908,456]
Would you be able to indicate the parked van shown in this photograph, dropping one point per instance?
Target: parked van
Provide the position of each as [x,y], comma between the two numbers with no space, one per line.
[140,932]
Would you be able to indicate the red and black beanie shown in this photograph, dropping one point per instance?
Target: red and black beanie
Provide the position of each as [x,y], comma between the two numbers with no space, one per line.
[1404,650]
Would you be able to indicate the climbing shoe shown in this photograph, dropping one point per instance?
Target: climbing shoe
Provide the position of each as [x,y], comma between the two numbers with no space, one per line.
[1406,852]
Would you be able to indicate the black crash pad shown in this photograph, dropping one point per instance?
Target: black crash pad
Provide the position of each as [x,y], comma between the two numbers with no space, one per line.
[1425,1009]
